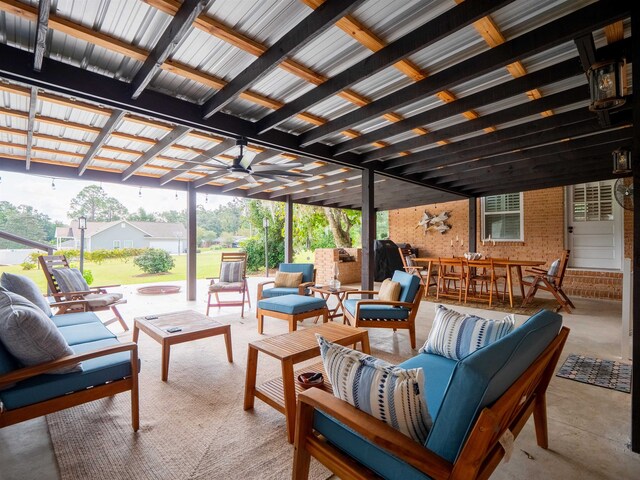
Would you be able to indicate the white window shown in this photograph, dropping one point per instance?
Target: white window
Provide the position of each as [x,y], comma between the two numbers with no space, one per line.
[502,217]
[128,244]
[116,244]
[593,202]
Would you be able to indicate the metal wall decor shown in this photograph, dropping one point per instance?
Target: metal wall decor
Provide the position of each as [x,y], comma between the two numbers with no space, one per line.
[434,223]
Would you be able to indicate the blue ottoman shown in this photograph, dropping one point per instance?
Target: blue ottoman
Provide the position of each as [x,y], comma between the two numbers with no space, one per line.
[293,308]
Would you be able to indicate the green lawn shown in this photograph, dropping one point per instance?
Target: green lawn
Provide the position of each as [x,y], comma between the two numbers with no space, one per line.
[112,272]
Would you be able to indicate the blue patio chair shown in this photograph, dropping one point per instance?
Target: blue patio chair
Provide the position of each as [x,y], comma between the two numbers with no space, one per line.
[308,279]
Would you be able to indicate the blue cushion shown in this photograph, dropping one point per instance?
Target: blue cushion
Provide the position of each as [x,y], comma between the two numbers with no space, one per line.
[385,465]
[77,318]
[483,376]
[95,372]
[383,312]
[291,304]
[438,372]
[85,332]
[279,291]
[409,283]
[305,268]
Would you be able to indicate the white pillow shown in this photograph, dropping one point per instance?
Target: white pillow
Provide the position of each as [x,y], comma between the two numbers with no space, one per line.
[389,393]
[455,335]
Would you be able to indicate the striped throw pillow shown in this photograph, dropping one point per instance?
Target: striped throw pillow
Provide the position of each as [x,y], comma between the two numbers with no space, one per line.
[70,280]
[455,335]
[391,394]
[231,272]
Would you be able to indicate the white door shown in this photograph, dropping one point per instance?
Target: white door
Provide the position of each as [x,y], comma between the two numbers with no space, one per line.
[595,226]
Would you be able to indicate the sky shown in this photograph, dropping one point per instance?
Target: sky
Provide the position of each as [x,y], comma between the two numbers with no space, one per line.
[36,191]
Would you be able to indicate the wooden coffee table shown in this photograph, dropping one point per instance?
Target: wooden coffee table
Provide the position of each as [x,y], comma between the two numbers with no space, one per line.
[193,326]
[340,293]
[291,348]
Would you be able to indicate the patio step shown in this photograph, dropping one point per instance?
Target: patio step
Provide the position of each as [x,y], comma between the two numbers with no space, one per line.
[593,284]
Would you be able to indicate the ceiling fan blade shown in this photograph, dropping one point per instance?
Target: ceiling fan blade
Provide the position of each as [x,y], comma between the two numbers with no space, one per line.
[282,173]
[223,164]
[258,168]
[247,158]
[250,179]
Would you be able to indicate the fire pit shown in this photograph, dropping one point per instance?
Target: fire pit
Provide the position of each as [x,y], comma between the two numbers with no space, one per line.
[159,289]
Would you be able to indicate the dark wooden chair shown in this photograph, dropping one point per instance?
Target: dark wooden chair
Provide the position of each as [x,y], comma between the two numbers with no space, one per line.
[428,277]
[220,285]
[92,299]
[549,281]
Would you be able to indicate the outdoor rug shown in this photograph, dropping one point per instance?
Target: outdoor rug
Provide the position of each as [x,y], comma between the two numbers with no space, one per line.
[595,371]
[532,307]
[191,427]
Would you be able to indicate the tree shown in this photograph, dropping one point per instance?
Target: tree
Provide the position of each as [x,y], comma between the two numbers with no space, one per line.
[174,216]
[94,203]
[340,222]
[142,216]
[25,221]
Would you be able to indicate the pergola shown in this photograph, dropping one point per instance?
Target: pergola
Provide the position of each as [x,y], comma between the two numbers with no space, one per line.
[387,104]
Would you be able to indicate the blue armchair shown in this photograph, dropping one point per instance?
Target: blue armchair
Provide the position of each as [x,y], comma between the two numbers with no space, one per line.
[308,279]
[386,314]
[473,402]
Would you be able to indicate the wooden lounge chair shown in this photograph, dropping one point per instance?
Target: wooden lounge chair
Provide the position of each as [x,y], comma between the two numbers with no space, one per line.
[231,279]
[81,297]
[549,281]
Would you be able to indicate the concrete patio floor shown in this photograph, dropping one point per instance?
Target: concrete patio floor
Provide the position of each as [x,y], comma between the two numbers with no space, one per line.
[588,426]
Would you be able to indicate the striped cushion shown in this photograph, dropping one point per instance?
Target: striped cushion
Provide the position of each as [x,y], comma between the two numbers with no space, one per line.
[70,280]
[231,272]
[389,393]
[455,335]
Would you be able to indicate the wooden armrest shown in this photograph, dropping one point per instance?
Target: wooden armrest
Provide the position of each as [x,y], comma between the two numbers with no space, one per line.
[266,283]
[70,303]
[377,432]
[100,287]
[71,294]
[28,372]
[384,302]
[535,270]
[364,292]
[306,284]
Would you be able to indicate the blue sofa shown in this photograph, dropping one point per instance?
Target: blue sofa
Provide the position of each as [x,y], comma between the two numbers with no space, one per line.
[308,279]
[108,367]
[472,401]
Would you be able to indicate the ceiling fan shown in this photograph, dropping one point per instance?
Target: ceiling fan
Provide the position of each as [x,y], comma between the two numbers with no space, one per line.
[242,167]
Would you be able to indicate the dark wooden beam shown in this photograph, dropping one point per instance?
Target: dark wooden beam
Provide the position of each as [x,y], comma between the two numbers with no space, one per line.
[368,229]
[288,230]
[170,38]
[42,28]
[314,183]
[192,245]
[562,71]
[103,136]
[495,149]
[304,32]
[33,102]
[61,78]
[473,224]
[165,143]
[478,168]
[440,27]
[554,33]
[635,152]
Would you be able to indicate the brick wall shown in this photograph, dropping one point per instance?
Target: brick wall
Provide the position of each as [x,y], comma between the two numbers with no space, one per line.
[544,238]
[349,272]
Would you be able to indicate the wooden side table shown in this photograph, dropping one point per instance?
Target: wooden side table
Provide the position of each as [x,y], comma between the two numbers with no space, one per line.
[291,348]
[193,326]
[340,294]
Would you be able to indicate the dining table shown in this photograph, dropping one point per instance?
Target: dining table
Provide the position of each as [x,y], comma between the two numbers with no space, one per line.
[508,264]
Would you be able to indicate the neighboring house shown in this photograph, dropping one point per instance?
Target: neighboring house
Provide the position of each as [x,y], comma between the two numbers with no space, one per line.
[536,225]
[124,234]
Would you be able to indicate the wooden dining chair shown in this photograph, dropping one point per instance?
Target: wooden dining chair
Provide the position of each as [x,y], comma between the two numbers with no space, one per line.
[428,276]
[549,281]
[451,270]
